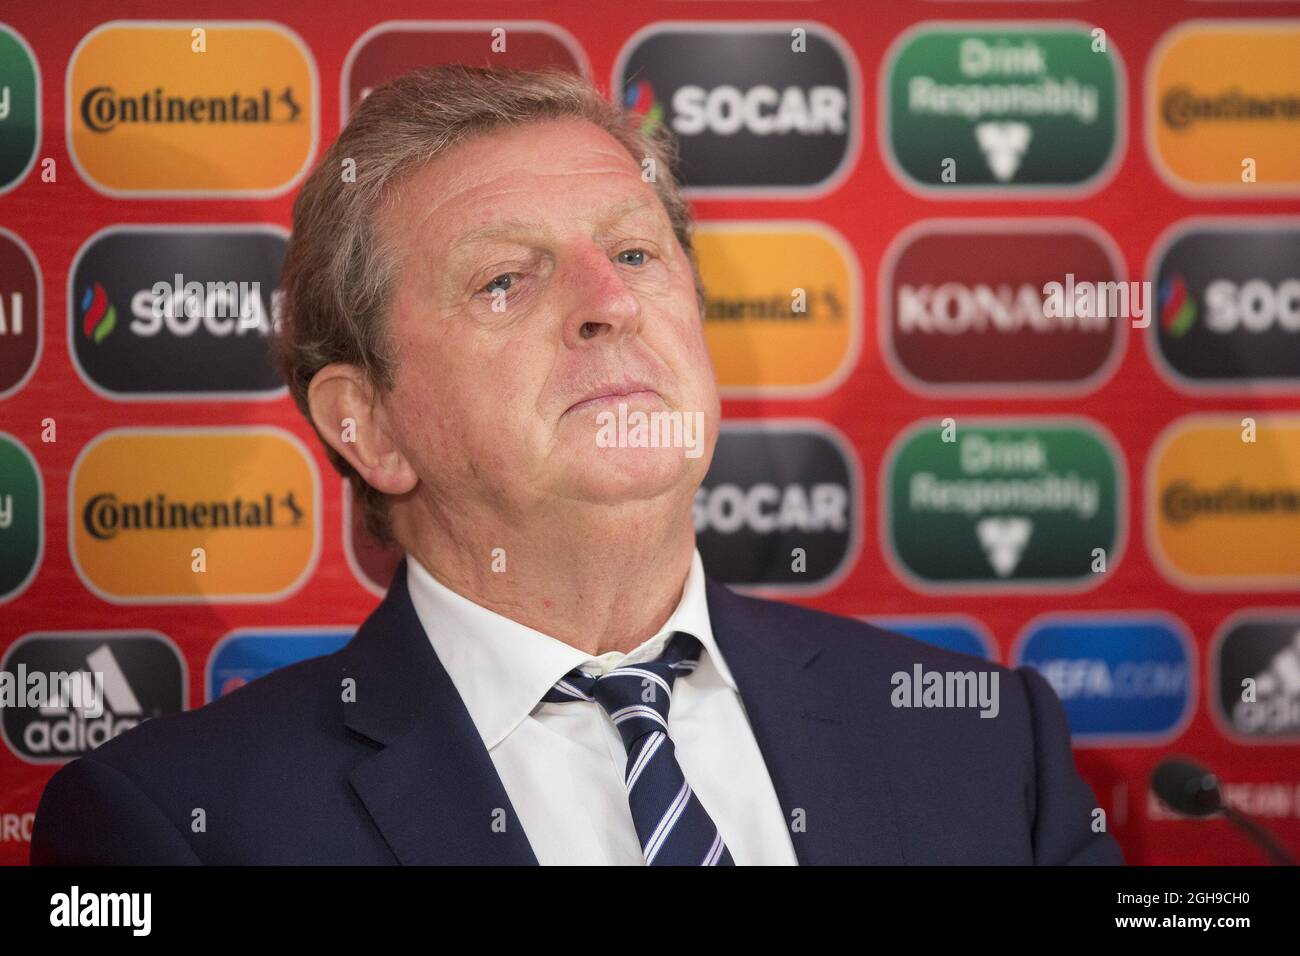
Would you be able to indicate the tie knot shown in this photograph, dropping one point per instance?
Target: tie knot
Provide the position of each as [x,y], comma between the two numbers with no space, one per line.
[636,696]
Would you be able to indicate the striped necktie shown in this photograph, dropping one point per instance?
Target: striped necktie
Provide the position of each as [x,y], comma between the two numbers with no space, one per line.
[672,824]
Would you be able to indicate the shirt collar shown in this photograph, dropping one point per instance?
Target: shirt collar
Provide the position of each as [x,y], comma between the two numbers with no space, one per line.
[502,668]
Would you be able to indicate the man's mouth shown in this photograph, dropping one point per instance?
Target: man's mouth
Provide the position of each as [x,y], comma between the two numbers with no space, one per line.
[610,392]
[612,396]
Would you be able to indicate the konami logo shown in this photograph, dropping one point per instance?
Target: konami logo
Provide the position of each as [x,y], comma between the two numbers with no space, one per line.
[965,307]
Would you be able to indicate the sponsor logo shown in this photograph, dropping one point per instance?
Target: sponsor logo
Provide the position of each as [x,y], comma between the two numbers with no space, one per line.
[22,517]
[1255,679]
[1003,504]
[779,509]
[1125,678]
[372,563]
[952,633]
[1223,107]
[194,515]
[246,654]
[394,47]
[22,311]
[784,309]
[17,827]
[20,108]
[145,102]
[1229,305]
[1020,108]
[142,674]
[757,108]
[177,312]
[966,307]
[1223,513]
[1262,799]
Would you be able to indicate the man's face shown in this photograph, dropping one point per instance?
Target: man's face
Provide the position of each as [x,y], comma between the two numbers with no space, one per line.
[595,305]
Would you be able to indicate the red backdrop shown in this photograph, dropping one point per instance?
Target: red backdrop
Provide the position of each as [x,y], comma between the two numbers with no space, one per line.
[870,406]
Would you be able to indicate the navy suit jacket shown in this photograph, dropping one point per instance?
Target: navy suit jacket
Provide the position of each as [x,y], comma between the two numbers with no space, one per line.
[286,772]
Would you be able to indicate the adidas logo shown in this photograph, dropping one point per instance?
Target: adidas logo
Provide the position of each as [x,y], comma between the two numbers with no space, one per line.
[1275,708]
[68,730]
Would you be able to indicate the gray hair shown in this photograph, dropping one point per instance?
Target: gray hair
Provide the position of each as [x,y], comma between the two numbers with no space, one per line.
[338,277]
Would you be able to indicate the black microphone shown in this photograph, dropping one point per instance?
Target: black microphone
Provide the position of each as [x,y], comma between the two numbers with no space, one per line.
[1190,789]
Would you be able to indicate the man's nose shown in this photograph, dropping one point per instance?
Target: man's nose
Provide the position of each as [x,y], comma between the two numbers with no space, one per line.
[598,302]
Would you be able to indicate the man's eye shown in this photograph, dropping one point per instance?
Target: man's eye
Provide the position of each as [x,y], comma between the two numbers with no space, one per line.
[501,283]
[632,257]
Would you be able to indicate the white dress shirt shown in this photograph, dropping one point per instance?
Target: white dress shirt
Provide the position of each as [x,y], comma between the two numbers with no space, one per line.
[562,764]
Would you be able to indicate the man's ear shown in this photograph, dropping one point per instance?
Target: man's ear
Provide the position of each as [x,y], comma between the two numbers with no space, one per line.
[349,416]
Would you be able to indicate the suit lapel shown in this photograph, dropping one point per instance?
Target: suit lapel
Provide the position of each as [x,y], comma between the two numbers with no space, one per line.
[824,759]
[430,786]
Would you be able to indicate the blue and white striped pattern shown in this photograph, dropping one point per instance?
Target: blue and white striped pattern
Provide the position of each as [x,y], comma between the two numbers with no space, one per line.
[672,824]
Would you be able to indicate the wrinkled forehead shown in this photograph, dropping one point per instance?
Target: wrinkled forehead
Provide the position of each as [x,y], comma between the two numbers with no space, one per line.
[551,171]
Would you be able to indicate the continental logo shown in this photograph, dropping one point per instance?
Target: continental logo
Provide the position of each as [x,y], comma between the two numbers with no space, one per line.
[760,109]
[784,307]
[151,114]
[1020,109]
[1224,513]
[388,50]
[963,307]
[1223,107]
[194,515]
[1229,305]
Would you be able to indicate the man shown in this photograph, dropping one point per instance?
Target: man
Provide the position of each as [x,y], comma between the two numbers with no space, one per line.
[483,268]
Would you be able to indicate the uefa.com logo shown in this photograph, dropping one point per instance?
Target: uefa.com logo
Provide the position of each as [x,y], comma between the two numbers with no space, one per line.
[780,510]
[389,49]
[248,653]
[760,109]
[1126,678]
